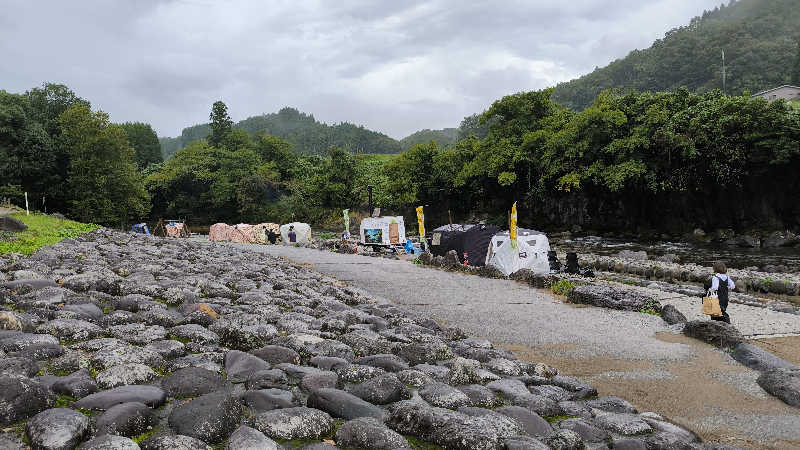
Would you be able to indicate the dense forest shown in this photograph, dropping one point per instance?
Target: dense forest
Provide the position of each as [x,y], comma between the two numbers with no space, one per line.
[71,159]
[443,138]
[666,161]
[760,38]
[303,131]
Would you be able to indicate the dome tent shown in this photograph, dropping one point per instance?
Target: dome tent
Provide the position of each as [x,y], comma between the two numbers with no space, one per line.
[474,240]
[302,230]
[531,252]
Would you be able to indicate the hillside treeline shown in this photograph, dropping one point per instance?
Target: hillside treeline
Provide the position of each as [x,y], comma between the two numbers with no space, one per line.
[306,135]
[71,159]
[669,161]
[760,38]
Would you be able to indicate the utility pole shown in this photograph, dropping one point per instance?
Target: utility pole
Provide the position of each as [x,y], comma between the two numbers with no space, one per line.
[723,72]
[369,189]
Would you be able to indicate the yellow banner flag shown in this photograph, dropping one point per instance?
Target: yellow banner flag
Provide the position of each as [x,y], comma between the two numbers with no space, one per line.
[421,222]
[513,229]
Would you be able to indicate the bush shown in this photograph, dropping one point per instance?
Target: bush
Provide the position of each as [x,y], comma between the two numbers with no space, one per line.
[42,230]
[562,287]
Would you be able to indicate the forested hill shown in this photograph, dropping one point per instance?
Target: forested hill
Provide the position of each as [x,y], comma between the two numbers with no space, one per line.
[303,131]
[443,138]
[759,37]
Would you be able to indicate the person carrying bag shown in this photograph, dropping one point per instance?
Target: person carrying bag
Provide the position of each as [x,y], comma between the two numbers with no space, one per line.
[718,291]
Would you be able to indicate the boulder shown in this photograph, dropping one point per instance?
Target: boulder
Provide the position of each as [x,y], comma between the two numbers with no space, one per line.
[138,333]
[367,432]
[610,297]
[71,329]
[78,384]
[343,405]
[586,430]
[782,383]
[23,367]
[268,399]
[564,440]
[195,333]
[451,429]
[671,315]
[125,374]
[8,223]
[380,390]
[444,396]
[240,365]
[246,438]
[531,423]
[110,442]
[759,359]
[622,423]
[276,354]
[210,417]
[294,423]
[174,442]
[714,332]
[13,321]
[612,404]
[57,429]
[480,396]
[426,352]
[167,348]
[388,362]
[193,381]
[263,379]
[21,398]
[126,419]
[524,443]
[151,396]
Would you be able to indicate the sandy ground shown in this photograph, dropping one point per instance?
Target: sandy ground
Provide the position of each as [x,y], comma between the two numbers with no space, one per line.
[633,355]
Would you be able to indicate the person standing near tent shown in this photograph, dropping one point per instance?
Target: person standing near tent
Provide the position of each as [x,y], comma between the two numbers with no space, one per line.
[722,284]
[292,235]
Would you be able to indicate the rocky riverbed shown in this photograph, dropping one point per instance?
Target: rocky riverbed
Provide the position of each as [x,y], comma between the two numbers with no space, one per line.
[122,341]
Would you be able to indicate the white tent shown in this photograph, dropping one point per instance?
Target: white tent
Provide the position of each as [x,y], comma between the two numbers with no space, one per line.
[387,230]
[302,230]
[531,252]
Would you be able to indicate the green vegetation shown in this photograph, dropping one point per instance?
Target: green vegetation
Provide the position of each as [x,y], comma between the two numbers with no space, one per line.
[759,38]
[418,444]
[42,230]
[554,419]
[64,401]
[562,287]
[69,158]
[301,130]
[145,143]
[653,311]
[144,436]
[443,138]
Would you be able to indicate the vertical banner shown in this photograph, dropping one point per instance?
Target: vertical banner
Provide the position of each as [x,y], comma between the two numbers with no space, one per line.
[346,213]
[421,222]
[513,229]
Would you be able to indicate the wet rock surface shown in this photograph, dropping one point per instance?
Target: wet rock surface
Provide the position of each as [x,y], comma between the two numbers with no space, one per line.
[610,297]
[194,344]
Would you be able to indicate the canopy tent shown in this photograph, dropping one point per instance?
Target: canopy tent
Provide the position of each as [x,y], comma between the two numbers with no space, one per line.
[472,240]
[454,227]
[387,230]
[531,252]
[302,230]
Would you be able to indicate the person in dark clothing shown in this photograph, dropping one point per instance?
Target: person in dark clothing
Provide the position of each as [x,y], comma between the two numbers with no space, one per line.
[722,284]
[272,237]
[292,235]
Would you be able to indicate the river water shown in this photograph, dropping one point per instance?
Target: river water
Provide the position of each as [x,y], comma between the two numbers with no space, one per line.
[702,254]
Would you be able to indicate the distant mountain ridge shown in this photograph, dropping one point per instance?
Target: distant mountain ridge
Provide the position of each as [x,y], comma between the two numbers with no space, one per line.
[759,38]
[303,131]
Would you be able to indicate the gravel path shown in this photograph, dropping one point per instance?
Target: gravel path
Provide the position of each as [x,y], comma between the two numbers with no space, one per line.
[631,354]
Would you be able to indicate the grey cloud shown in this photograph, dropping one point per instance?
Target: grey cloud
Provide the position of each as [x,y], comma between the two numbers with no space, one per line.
[392,66]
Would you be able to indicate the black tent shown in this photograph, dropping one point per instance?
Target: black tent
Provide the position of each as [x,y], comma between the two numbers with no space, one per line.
[474,242]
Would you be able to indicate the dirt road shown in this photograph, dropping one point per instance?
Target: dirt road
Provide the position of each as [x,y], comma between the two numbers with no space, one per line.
[633,355]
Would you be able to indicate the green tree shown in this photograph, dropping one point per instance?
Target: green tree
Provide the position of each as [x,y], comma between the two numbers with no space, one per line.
[145,143]
[221,124]
[103,182]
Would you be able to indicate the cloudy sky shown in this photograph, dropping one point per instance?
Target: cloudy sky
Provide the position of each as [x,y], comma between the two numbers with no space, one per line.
[395,66]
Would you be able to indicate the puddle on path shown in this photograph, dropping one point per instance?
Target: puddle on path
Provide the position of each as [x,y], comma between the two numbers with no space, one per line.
[710,384]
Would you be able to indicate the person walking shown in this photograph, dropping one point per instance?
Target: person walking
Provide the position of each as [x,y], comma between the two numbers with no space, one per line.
[292,235]
[722,284]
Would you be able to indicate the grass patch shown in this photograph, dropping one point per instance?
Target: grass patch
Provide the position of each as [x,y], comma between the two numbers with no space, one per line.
[554,419]
[562,287]
[650,310]
[64,401]
[418,444]
[179,339]
[42,230]
[144,436]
